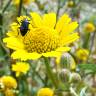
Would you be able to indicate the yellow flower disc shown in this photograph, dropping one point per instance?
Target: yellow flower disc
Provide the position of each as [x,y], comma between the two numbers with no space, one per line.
[41,40]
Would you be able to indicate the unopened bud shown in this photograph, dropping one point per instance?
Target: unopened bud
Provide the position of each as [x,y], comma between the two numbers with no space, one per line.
[64,75]
[70,3]
[75,78]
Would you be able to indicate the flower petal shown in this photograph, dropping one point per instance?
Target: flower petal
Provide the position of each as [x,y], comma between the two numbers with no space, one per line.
[52,54]
[63,49]
[49,20]
[13,43]
[36,19]
[23,55]
[69,28]
[69,39]
[63,21]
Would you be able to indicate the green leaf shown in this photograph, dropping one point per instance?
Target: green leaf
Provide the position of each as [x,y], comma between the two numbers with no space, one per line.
[89,67]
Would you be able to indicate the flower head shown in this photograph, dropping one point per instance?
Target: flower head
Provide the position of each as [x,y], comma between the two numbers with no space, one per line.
[89,27]
[25,2]
[45,92]
[82,54]
[8,82]
[9,92]
[20,67]
[45,37]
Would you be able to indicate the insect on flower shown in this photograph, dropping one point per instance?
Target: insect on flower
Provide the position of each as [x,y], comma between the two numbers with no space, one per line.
[24,26]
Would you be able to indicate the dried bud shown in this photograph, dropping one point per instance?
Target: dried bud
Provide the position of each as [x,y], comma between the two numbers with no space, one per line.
[75,78]
[64,75]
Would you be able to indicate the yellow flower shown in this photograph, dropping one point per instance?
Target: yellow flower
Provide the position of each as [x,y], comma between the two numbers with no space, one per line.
[25,2]
[9,92]
[20,67]
[89,27]
[45,37]
[82,54]
[9,82]
[45,92]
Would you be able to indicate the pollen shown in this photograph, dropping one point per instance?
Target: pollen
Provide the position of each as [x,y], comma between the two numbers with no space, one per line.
[41,40]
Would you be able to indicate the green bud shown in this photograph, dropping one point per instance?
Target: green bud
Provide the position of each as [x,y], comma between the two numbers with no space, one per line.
[75,78]
[64,75]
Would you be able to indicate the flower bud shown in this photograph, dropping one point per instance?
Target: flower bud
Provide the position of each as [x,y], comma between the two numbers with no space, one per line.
[89,27]
[70,3]
[64,75]
[75,78]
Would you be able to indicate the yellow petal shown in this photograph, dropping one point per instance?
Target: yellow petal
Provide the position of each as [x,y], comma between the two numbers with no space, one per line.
[49,20]
[63,21]
[52,54]
[69,39]
[33,55]
[69,28]
[36,19]
[63,49]
[72,64]
[23,55]
[13,43]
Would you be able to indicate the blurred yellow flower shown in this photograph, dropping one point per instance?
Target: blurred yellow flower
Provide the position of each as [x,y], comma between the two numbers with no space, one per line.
[45,37]
[20,67]
[25,2]
[45,92]
[8,82]
[89,27]
[9,92]
[82,54]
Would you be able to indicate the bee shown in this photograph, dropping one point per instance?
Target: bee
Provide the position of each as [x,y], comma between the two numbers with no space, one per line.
[24,27]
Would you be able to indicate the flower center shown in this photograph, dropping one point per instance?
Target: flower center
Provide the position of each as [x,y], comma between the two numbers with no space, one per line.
[41,40]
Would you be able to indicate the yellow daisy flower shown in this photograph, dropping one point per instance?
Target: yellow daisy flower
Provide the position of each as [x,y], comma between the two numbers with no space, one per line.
[20,67]
[45,92]
[45,37]
[82,54]
[8,82]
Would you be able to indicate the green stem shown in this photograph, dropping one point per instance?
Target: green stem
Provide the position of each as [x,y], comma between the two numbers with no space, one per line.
[20,7]
[23,86]
[52,76]
[6,6]
[50,73]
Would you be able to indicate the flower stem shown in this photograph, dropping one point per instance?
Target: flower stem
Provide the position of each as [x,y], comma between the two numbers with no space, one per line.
[50,73]
[20,7]
[6,6]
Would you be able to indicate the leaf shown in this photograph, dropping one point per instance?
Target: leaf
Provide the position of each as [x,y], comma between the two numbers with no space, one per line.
[83,92]
[89,67]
